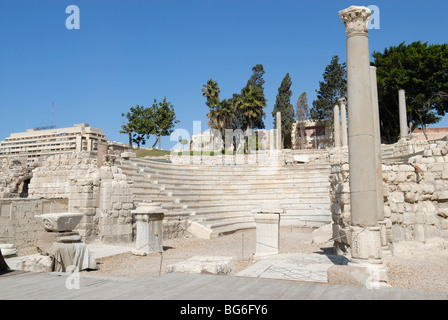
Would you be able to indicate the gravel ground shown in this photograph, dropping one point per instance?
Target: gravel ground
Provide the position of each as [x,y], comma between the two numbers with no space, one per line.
[422,270]
[240,245]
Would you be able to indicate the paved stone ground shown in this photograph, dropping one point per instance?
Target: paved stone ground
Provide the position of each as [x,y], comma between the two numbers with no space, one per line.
[422,267]
[299,267]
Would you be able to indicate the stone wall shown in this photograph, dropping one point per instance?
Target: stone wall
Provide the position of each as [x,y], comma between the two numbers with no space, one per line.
[115,205]
[415,194]
[17,223]
[52,178]
[103,194]
[13,172]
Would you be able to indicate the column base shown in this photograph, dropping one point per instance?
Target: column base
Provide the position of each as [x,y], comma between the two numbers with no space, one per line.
[367,252]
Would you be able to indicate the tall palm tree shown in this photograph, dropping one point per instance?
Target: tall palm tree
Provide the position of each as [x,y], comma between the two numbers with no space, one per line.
[250,104]
[221,116]
[211,91]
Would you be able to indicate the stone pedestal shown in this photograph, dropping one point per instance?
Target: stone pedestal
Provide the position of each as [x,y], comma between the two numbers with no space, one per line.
[267,221]
[365,233]
[149,232]
[60,248]
[45,239]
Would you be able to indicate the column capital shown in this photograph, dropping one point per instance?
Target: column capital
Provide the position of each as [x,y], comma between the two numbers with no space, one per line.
[355,19]
[342,101]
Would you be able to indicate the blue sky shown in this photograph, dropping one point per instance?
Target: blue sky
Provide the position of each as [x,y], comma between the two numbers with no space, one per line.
[130,52]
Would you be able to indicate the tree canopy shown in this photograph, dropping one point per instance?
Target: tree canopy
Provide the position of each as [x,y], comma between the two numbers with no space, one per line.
[158,120]
[422,71]
[333,87]
[284,106]
[302,114]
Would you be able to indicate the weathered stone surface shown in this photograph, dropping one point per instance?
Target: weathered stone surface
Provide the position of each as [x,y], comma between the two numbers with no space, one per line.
[37,263]
[323,234]
[59,222]
[267,219]
[8,250]
[347,275]
[204,264]
[149,234]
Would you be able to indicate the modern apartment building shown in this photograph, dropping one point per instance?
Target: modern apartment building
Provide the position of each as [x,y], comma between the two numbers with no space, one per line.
[35,143]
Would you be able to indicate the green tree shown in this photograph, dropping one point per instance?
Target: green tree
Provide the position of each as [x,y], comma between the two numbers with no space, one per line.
[302,113]
[333,87]
[211,92]
[257,82]
[162,120]
[422,71]
[250,105]
[137,125]
[222,116]
[284,106]
[158,120]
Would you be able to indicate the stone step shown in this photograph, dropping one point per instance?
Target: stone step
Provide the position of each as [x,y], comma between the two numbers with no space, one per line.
[284,190]
[220,175]
[167,165]
[240,180]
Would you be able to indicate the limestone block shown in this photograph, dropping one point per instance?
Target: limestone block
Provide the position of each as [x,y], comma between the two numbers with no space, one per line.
[59,222]
[347,275]
[301,158]
[200,231]
[396,197]
[408,218]
[323,234]
[204,264]
[442,195]
[37,263]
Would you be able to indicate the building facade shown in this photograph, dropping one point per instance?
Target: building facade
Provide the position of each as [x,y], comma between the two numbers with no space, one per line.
[35,143]
[317,135]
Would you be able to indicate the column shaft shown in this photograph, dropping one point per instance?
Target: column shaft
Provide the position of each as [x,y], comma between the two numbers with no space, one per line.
[403,115]
[377,134]
[279,130]
[337,127]
[363,185]
[344,133]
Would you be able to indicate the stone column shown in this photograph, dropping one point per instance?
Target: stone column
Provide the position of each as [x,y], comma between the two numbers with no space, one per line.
[365,232]
[378,158]
[344,133]
[267,219]
[149,233]
[279,141]
[337,127]
[403,115]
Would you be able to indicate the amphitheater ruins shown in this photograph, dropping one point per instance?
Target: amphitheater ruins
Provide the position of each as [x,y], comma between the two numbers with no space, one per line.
[207,196]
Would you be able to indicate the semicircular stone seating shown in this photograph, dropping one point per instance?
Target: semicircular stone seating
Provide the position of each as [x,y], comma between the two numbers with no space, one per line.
[221,198]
